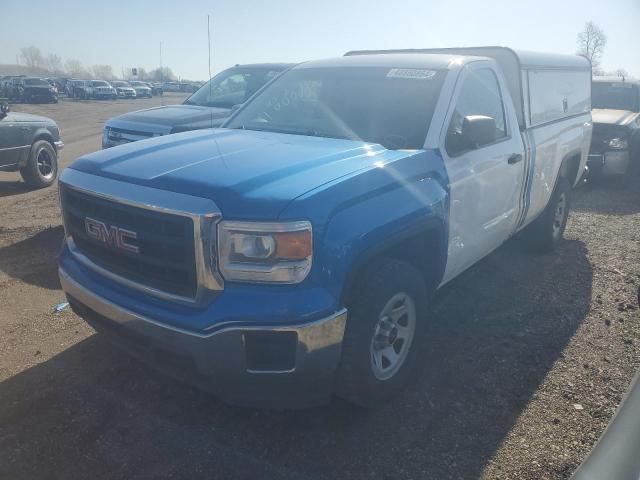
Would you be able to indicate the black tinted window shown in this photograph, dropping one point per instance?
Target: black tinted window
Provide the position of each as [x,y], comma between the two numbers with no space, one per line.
[480,95]
[389,106]
[615,95]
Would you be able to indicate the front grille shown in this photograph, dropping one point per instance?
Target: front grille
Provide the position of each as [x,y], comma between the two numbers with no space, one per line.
[121,135]
[166,257]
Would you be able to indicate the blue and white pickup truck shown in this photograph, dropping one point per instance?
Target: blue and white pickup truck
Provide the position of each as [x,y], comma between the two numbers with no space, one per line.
[293,253]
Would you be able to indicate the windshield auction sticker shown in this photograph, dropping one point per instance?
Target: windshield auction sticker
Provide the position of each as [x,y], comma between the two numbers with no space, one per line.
[416,73]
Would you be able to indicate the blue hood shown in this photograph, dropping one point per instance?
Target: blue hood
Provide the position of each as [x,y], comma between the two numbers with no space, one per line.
[248,174]
[170,119]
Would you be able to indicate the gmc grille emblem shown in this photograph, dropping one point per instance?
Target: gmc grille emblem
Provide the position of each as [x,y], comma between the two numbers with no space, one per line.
[113,235]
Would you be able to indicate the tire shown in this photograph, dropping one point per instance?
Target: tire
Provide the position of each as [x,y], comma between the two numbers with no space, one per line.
[363,377]
[41,169]
[544,234]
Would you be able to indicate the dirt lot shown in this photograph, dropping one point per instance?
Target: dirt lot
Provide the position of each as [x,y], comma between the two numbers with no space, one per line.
[516,343]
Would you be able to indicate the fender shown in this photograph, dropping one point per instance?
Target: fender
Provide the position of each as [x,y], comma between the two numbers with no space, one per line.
[423,245]
[402,198]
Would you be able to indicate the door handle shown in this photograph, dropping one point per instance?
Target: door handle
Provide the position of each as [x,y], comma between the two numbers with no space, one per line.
[515,158]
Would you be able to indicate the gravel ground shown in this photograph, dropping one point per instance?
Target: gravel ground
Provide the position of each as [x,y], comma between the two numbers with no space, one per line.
[529,357]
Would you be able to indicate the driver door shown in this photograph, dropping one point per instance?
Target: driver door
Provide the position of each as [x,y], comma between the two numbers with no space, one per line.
[12,140]
[485,181]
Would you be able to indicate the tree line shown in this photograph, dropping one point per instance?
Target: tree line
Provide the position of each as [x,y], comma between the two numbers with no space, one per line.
[33,58]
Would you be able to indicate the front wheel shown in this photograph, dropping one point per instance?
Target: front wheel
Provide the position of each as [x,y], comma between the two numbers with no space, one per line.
[384,333]
[546,231]
[42,167]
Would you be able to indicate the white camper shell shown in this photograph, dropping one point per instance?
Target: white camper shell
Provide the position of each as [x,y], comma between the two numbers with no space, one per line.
[544,87]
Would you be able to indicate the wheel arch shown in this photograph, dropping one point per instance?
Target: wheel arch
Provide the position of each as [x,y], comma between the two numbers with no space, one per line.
[40,134]
[424,247]
[570,166]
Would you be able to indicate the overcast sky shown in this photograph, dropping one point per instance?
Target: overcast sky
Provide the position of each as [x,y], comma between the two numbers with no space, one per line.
[128,33]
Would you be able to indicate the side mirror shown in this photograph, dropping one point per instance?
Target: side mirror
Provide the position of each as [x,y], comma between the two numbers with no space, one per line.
[235,107]
[478,130]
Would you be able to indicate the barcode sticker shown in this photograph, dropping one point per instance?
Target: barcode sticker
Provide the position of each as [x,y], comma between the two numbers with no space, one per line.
[415,73]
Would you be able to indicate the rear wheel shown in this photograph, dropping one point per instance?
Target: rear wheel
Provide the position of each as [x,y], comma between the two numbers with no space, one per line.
[546,231]
[384,333]
[42,167]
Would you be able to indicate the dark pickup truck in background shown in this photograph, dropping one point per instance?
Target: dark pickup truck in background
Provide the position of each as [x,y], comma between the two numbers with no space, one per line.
[206,108]
[615,144]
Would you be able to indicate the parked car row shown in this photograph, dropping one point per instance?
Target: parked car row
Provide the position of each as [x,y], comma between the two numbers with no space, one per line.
[180,87]
[27,89]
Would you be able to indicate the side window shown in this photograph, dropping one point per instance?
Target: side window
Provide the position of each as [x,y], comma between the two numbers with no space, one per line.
[480,95]
[233,83]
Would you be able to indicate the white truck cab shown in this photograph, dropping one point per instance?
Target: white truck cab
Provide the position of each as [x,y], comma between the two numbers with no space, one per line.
[541,104]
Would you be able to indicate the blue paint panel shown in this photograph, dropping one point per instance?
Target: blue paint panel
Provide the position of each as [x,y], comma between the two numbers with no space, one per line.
[357,197]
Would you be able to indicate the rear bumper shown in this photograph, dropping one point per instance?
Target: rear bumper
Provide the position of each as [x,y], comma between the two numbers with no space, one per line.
[610,163]
[262,366]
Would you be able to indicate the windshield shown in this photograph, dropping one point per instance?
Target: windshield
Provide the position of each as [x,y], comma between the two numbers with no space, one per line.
[100,84]
[120,84]
[35,81]
[137,84]
[389,106]
[616,95]
[231,87]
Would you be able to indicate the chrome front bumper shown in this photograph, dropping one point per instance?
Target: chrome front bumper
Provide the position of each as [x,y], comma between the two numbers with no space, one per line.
[223,361]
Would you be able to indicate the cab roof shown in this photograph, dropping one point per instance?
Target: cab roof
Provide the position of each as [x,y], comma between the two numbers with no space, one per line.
[523,58]
[610,79]
[396,60]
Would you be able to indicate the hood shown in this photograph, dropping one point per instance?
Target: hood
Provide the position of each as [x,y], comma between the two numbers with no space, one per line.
[172,118]
[247,174]
[27,117]
[610,116]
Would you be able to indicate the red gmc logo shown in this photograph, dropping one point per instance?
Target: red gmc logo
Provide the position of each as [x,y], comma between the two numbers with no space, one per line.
[113,235]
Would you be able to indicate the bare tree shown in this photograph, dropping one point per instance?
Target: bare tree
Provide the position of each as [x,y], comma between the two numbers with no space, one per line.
[104,72]
[54,62]
[159,75]
[591,43]
[75,68]
[621,72]
[32,57]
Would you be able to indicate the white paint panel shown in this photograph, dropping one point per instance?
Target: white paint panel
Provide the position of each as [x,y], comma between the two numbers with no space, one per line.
[556,94]
[485,190]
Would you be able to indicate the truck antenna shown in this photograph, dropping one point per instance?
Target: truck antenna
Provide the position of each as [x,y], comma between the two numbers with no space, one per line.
[161,86]
[209,46]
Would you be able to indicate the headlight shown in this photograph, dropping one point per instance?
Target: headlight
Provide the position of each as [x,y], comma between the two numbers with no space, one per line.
[105,136]
[618,143]
[265,252]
